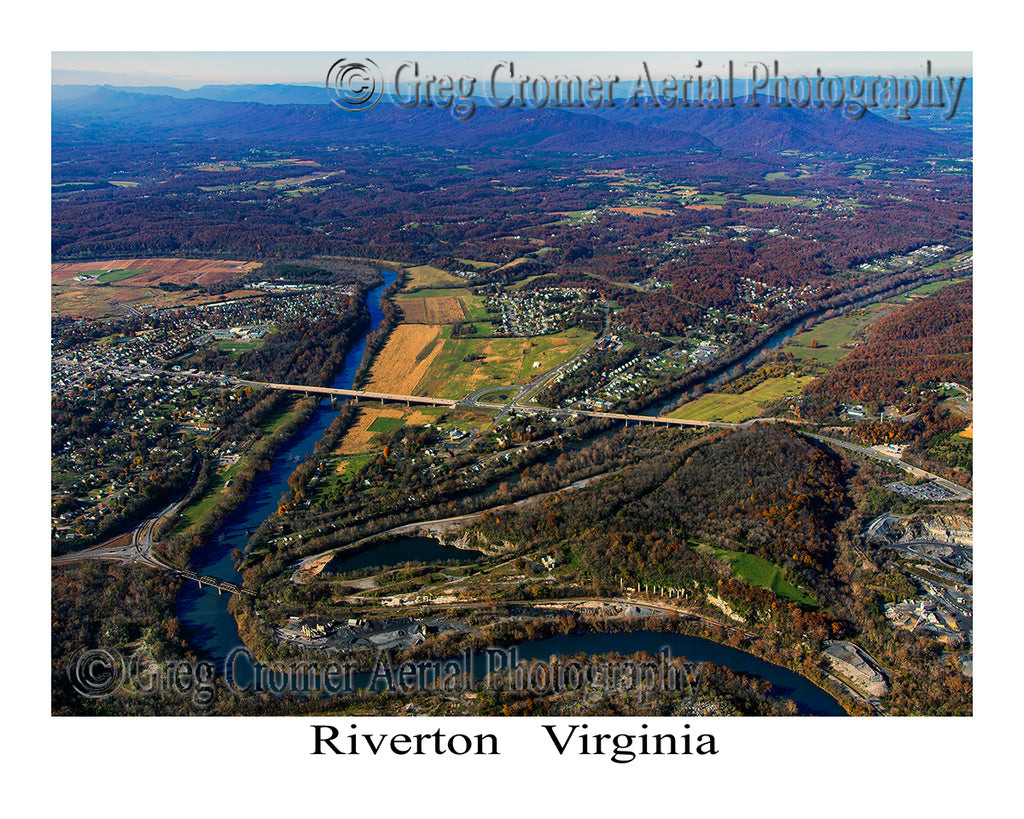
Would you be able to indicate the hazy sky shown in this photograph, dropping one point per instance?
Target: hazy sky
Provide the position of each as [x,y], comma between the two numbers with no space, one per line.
[191,69]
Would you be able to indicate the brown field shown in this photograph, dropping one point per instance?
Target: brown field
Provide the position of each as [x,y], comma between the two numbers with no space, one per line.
[359,438]
[409,351]
[443,310]
[89,301]
[969,432]
[703,207]
[426,276]
[359,435]
[643,211]
[178,271]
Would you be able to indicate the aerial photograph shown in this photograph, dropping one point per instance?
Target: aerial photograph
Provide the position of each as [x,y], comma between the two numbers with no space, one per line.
[533,384]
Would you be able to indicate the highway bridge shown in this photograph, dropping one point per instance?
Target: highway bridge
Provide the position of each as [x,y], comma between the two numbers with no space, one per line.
[356,394]
[385,397]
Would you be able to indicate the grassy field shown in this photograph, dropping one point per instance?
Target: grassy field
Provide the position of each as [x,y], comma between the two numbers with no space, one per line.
[705,200]
[834,336]
[385,424]
[236,348]
[519,285]
[759,572]
[427,276]
[496,361]
[478,265]
[117,275]
[435,293]
[199,509]
[801,174]
[406,356]
[473,307]
[928,289]
[769,199]
[733,408]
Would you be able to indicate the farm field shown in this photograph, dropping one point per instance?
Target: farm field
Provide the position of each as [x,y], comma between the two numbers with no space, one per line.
[642,211]
[92,301]
[153,271]
[496,361]
[928,289]
[444,310]
[373,420]
[770,199]
[834,336]
[359,437]
[134,282]
[759,572]
[736,407]
[409,351]
[426,276]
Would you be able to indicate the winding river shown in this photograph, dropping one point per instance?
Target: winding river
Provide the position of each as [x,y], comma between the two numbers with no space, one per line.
[212,630]
[204,617]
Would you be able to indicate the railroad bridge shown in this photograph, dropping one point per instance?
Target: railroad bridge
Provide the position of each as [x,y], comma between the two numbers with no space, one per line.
[220,585]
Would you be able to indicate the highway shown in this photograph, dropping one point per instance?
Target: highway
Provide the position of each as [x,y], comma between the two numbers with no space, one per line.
[138,549]
[357,394]
[468,403]
[962,492]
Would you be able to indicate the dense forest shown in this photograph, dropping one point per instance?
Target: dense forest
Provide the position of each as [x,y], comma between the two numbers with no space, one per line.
[767,490]
[927,342]
[800,237]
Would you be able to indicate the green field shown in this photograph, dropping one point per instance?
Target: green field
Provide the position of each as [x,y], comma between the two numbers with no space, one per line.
[932,287]
[478,265]
[736,407]
[236,348]
[346,468]
[498,396]
[802,173]
[386,424]
[834,335]
[761,573]
[427,276]
[437,293]
[768,199]
[497,361]
[115,275]
[705,199]
[519,285]
[196,511]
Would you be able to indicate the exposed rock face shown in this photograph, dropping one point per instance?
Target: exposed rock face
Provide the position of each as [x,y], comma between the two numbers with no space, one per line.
[856,666]
[943,527]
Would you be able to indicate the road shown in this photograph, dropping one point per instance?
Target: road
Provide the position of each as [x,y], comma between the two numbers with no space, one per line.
[139,549]
[962,492]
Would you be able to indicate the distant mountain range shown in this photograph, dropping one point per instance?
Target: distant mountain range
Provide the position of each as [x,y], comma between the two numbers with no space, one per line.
[296,114]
